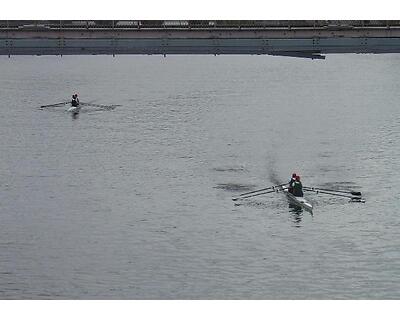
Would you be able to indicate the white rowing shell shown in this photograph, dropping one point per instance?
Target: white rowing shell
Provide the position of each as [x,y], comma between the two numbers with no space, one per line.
[73,109]
[300,201]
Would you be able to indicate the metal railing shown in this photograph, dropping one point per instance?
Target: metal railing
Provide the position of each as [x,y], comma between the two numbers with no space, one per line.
[193,24]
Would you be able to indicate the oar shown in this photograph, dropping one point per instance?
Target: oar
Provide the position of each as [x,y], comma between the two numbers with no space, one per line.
[100,105]
[253,195]
[54,104]
[354,193]
[356,198]
[259,190]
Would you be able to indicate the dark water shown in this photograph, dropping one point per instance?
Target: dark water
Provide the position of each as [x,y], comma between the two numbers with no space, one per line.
[135,202]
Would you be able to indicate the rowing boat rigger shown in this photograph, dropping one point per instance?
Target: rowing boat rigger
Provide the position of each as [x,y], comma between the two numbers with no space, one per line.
[353,196]
[298,201]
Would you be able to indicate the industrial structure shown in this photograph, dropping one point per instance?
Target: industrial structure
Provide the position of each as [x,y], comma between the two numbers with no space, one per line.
[298,38]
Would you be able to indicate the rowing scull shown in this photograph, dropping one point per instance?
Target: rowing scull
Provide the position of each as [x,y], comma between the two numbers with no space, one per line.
[74,109]
[298,201]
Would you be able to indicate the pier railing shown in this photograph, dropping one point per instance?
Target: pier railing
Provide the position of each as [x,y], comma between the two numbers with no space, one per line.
[193,24]
[298,38]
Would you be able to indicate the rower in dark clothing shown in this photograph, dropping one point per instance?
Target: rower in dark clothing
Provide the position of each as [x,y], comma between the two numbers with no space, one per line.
[292,180]
[297,188]
[75,100]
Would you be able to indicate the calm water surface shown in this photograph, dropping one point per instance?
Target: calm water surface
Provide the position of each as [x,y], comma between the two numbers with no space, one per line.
[135,202]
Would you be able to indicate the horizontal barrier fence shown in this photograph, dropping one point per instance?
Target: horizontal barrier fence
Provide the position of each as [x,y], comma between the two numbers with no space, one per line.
[307,38]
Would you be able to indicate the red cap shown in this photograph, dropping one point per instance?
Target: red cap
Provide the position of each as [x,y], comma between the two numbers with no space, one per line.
[298,178]
[294,175]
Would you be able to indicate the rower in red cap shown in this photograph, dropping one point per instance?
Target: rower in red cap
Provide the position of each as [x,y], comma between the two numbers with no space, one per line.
[297,187]
[292,180]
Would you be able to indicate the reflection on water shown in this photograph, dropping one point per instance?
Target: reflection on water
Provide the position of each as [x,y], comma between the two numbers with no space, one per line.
[75,115]
[296,213]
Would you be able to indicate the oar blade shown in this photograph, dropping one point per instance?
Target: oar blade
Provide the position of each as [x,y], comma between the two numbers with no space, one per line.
[357,199]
